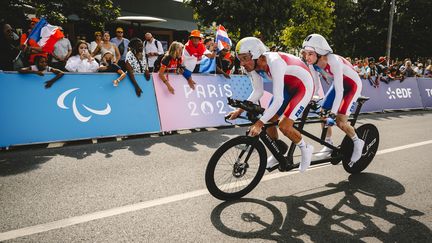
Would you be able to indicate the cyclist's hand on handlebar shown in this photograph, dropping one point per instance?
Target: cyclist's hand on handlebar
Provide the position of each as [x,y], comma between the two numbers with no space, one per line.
[255,129]
[234,114]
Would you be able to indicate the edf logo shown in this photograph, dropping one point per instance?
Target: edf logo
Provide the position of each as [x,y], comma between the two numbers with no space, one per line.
[429,92]
[401,93]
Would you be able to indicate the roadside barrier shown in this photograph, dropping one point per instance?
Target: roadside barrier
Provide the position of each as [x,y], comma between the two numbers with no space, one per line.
[84,106]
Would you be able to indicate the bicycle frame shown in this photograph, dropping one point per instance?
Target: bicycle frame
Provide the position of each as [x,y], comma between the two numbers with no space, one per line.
[286,162]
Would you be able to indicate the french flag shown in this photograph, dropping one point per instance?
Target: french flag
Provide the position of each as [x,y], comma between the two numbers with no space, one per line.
[222,39]
[46,35]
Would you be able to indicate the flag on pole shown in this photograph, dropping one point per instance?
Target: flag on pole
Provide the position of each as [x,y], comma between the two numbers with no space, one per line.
[222,39]
[45,35]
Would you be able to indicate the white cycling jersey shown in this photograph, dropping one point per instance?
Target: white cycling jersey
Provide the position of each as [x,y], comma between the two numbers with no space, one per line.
[290,77]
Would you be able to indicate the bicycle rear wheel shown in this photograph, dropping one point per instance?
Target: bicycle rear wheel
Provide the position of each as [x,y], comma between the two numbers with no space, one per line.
[236,168]
[370,135]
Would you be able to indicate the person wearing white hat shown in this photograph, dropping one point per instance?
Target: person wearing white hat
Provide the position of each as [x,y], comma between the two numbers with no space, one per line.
[345,88]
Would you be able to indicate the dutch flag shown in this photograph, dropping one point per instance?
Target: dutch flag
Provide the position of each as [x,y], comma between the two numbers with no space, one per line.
[222,39]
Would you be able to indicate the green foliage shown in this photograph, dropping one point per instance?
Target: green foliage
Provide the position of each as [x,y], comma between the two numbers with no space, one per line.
[277,22]
[308,16]
[94,12]
[361,28]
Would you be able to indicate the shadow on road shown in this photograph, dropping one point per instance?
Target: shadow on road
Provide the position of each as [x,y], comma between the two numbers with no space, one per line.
[351,219]
[20,161]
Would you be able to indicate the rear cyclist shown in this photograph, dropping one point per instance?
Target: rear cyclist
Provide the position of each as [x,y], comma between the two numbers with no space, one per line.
[292,90]
[343,93]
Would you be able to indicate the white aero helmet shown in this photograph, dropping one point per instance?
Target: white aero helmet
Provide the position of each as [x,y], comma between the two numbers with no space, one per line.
[251,45]
[317,43]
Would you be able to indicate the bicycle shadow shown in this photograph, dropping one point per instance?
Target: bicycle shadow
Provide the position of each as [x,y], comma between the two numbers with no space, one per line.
[351,219]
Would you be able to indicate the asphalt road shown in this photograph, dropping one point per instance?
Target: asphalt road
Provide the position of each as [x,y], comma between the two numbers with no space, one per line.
[152,189]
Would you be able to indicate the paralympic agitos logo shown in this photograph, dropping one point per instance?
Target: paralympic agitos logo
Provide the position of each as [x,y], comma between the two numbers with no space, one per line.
[78,115]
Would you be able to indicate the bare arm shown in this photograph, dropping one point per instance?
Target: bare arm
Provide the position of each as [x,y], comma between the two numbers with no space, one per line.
[131,75]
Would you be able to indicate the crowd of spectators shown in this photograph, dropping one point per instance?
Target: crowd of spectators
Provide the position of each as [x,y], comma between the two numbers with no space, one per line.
[121,55]
[395,70]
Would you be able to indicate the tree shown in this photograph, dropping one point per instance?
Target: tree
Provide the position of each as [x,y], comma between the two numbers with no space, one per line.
[308,16]
[94,12]
[361,28]
[269,20]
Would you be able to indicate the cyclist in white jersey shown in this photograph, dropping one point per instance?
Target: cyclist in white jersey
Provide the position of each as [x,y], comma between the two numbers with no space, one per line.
[292,90]
[345,89]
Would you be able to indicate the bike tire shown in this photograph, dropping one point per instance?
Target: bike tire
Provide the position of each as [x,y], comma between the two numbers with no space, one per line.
[370,135]
[235,145]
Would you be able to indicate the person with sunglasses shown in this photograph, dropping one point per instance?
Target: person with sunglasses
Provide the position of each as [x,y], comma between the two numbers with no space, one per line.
[122,45]
[292,90]
[96,43]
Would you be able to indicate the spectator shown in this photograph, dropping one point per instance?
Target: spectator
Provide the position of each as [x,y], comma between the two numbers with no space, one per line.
[209,43]
[9,48]
[408,71]
[40,68]
[349,59]
[81,59]
[153,49]
[365,70]
[171,62]
[373,77]
[107,65]
[358,66]
[193,53]
[106,46]
[402,65]
[394,74]
[30,46]
[122,45]
[136,63]
[428,70]
[62,51]
[381,65]
[419,70]
[96,43]
[223,65]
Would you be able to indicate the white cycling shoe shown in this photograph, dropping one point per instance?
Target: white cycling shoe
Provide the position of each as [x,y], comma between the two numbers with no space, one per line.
[271,162]
[357,151]
[325,152]
[306,157]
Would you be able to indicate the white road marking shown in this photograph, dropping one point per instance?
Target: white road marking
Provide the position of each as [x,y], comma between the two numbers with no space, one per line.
[156,202]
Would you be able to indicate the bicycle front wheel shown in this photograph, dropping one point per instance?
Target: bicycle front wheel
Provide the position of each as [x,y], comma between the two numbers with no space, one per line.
[236,168]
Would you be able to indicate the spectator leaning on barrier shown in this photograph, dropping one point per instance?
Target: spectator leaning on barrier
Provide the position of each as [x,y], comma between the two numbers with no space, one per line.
[81,60]
[373,77]
[62,51]
[40,68]
[428,69]
[408,70]
[193,53]
[153,49]
[419,70]
[171,62]
[122,45]
[96,43]
[105,46]
[31,48]
[9,49]
[107,65]
[136,63]
[223,66]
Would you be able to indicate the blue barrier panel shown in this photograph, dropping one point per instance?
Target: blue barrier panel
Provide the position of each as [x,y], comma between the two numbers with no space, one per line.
[425,88]
[77,106]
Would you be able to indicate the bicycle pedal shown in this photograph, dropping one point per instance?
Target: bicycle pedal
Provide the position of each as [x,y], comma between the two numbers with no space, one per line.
[272,168]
